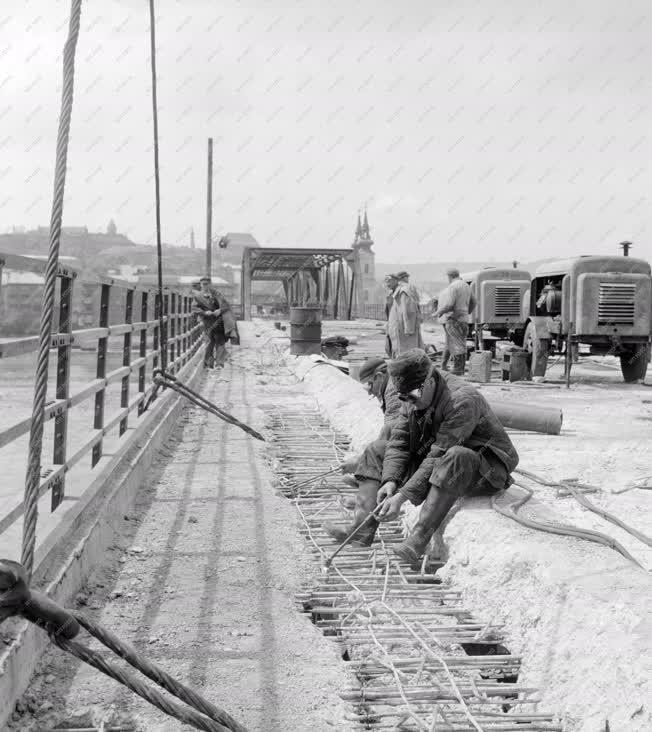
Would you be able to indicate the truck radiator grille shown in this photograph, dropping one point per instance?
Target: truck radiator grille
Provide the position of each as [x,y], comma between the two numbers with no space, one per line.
[616,303]
[508,301]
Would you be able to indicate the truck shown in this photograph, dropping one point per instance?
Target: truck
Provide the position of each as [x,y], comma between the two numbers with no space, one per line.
[603,302]
[499,314]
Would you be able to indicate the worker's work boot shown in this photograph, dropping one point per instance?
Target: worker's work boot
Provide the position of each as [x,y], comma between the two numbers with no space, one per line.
[459,362]
[433,512]
[445,357]
[366,502]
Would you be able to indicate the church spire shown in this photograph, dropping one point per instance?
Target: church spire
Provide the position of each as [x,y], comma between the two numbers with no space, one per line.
[365,227]
[358,230]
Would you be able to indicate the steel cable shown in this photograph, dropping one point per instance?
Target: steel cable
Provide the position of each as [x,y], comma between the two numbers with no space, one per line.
[32,478]
[163,340]
[63,626]
[171,382]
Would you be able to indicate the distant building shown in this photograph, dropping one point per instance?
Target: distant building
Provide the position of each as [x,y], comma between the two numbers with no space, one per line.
[364,264]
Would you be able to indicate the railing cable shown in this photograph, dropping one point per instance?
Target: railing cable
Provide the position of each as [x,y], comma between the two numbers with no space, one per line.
[41,380]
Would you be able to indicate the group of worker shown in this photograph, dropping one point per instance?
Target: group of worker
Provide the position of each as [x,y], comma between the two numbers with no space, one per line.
[454,307]
[440,440]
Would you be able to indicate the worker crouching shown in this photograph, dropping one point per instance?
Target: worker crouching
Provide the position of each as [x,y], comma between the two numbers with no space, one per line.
[446,443]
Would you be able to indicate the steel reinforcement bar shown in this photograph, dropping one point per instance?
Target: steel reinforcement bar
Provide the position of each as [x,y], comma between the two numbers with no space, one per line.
[421,660]
[111,299]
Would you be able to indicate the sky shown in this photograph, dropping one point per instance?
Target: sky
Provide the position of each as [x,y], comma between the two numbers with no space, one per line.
[494,129]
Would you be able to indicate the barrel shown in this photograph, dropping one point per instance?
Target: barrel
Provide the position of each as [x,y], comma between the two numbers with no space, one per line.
[527,417]
[305,331]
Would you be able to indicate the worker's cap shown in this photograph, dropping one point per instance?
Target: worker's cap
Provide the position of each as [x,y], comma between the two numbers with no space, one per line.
[390,277]
[370,368]
[334,341]
[402,275]
[453,272]
[205,278]
[409,370]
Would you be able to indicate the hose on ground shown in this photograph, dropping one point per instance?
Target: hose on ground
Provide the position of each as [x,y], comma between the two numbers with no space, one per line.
[511,511]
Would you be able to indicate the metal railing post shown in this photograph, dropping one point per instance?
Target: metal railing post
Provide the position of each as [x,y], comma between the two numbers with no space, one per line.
[100,373]
[156,339]
[63,385]
[142,352]
[169,310]
[126,360]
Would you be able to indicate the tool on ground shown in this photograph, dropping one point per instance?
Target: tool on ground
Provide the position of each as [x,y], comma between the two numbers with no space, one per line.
[171,382]
[62,625]
[329,560]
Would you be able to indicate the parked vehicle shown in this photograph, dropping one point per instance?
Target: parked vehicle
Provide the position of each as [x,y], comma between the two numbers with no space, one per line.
[604,302]
[499,314]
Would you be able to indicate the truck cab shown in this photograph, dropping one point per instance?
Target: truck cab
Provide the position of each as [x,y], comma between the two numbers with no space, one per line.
[500,313]
[604,302]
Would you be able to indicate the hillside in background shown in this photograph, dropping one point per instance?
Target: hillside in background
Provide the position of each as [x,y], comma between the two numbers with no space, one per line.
[100,252]
[436,271]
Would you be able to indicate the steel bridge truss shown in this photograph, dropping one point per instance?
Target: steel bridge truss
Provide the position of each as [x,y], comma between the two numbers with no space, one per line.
[308,277]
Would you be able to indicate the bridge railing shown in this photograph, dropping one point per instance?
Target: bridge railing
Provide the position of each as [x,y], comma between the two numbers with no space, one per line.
[125,355]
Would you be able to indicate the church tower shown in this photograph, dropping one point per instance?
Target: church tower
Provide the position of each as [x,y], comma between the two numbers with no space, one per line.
[364,263]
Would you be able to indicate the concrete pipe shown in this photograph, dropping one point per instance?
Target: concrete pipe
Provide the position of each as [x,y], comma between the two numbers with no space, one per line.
[528,418]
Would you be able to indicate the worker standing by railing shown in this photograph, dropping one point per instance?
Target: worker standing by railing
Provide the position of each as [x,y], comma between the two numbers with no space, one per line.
[219,324]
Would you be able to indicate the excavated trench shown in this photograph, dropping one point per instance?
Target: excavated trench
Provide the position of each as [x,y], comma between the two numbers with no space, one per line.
[421,661]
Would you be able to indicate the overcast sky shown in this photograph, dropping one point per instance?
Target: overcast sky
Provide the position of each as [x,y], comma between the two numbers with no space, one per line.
[489,129]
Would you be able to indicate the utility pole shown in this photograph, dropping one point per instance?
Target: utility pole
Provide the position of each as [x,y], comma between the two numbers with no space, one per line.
[626,246]
[209,210]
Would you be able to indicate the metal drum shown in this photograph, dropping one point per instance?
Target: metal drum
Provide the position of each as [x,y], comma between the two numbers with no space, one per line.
[305,331]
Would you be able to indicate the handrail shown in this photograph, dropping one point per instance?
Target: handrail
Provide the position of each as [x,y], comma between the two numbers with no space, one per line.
[139,332]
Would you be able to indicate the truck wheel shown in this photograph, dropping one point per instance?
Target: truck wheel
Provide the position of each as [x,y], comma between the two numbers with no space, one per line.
[537,349]
[633,363]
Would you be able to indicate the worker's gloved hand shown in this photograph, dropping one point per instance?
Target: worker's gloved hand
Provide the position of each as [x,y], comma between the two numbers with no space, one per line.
[391,508]
[217,312]
[350,464]
[386,491]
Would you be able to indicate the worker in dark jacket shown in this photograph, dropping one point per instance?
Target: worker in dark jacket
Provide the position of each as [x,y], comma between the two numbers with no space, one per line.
[217,320]
[373,375]
[445,444]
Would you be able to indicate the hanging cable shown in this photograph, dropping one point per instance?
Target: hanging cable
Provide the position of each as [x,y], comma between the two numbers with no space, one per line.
[162,329]
[32,479]
[163,340]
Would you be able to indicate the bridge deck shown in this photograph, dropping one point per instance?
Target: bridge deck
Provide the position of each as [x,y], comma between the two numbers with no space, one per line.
[202,581]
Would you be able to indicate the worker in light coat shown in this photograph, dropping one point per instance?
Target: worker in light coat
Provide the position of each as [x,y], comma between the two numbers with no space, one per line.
[404,322]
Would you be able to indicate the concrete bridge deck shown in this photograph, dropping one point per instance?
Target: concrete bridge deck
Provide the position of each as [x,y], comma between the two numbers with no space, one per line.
[201,579]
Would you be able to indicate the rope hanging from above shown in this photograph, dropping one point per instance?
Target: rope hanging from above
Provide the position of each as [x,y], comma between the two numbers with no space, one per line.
[163,340]
[32,479]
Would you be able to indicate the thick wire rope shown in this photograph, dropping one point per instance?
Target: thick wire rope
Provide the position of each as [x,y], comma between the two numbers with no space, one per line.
[163,340]
[32,479]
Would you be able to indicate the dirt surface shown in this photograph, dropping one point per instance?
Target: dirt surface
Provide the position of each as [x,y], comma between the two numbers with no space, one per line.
[201,580]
